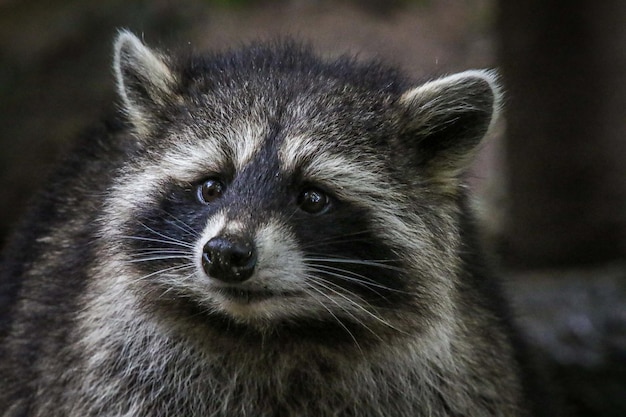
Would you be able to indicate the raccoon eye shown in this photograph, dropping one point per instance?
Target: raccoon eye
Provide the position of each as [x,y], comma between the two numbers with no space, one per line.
[210,190]
[313,200]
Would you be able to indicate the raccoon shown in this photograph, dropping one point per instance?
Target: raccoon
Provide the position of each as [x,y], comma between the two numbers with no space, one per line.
[261,232]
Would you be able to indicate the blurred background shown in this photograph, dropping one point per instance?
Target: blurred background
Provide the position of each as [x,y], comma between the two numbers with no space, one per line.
[551,181]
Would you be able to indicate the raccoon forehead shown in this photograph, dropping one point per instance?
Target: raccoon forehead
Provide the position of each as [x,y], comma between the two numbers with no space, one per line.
[196,152]
[348,174]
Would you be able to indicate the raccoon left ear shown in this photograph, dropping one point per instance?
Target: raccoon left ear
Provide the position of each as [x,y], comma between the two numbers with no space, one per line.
[444,120]
[145,81]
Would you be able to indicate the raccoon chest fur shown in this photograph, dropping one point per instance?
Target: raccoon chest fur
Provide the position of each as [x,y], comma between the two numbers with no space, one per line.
[261,233]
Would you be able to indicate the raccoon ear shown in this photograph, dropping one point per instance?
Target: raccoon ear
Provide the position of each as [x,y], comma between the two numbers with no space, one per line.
[144,79]
[444,120]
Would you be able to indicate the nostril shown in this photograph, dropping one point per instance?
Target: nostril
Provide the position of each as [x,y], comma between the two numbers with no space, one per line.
[229,259]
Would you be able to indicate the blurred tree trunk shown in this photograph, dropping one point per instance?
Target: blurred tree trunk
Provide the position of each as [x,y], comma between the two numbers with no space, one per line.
[564,67]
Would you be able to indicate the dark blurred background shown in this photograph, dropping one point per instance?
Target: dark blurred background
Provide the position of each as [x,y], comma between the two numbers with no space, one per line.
[551,182]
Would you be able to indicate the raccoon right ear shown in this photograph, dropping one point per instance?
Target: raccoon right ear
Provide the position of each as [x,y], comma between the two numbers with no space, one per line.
[144,79]
[445,120]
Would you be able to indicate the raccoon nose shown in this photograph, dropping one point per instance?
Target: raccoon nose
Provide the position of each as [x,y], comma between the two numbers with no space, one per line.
[229,259]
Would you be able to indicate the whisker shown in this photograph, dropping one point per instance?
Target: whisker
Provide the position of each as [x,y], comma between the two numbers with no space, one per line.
[149,253]
[293,213]
[168,238]
[345,238]
[159,258]
[160,250]
[378,263]
[168,241]
[333,314]
[170,288]
[354,277]
[181,225]
[163,271]
[345,278]
[322,283]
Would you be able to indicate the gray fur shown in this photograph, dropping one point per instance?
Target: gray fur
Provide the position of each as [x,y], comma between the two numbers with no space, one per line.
[91,333]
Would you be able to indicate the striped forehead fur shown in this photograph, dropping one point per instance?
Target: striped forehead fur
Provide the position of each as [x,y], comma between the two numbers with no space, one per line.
[197,152]
[349,175]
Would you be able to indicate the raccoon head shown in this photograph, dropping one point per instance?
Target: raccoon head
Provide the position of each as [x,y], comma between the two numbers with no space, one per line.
[267,186]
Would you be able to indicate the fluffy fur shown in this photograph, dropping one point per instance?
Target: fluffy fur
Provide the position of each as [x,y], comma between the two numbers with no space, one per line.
[375,303]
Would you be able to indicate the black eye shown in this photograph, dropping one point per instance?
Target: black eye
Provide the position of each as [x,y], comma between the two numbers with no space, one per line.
[313,200]
[210,190]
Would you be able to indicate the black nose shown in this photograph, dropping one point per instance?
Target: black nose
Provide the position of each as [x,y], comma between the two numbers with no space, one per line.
[229,259]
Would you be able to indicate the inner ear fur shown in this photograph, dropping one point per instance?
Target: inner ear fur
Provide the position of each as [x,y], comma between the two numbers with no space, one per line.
[145,81]
[444,121]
